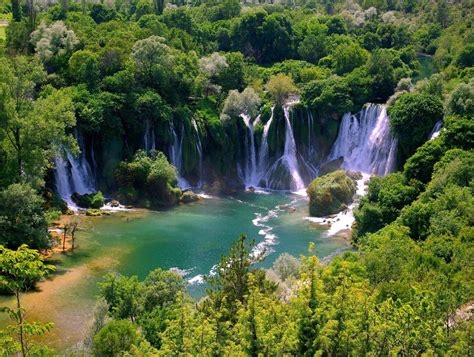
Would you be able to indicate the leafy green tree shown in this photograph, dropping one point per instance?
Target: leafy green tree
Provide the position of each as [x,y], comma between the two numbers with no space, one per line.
[412,117]
[348,57]
[380,67]
[280,87]
[276,35]
[22,218]
[161,288]
[34,130]
[150,54]
[286,266]
[330,97]
[461,100]
[237,103]
[420,165]
[53,41]
[230,284]
[314,45]
[84,67]
[115,338]
[19,271]
[123,295]
[148,180]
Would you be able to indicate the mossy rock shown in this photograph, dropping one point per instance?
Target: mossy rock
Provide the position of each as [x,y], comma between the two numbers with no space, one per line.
[331,193]
[94,212]
[189,196]
[89,200]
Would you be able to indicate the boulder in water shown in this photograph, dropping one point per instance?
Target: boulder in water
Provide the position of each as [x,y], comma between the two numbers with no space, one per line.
[331,193]
[114,203]
[189,196]
[88,200]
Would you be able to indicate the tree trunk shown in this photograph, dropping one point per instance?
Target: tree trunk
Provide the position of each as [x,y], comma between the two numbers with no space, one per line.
[20,322]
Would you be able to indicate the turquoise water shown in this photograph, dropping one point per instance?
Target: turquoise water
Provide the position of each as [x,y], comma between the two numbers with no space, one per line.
[193,237]
[190,237]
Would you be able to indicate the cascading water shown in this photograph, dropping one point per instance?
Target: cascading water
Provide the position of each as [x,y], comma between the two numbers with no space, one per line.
[248,172]
[285,172]
[149,137]
[199,150]
[176,156]
[365,142]
[436,130]
[73,174]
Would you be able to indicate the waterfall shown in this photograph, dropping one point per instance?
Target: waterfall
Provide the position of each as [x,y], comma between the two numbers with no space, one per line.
[263,152]
[73,174]
[289,154]
[249,174]
[149,136]
[436,130]
[365,142]
[199,150]
[285,171]
[176,156]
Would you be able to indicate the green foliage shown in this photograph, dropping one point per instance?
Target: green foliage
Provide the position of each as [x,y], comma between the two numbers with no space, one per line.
[330,193]
[115,338]
[90,200]
[412,117]
[280,87]
[385,198]
[148,180]
[22,218]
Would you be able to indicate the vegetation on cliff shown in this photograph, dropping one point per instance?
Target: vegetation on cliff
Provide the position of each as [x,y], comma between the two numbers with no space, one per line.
[331,193]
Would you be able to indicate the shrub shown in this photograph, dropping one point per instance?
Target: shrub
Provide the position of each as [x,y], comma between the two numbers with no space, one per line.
[330,193]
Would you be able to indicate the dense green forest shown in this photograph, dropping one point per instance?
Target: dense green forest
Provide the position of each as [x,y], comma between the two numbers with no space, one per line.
[126,79]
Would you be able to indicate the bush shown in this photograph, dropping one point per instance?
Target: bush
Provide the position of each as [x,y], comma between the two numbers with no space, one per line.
[115,338]
[89,200]
[22,219]
[330,193]
[148,181]
[412,118]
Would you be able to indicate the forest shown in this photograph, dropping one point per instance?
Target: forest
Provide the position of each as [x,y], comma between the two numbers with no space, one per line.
[154,105]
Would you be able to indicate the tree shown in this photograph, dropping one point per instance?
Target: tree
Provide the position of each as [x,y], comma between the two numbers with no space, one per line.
[280,87]
[19,271]
[35,130]
[150,53]
[380,67]
[313,46]
[236,104]
[211,67]
[286,266]
[84,68]
[348,57]
[230,284]
[276,36]
[161,289]
[53,40]
[461,100]
[123,295]
[115,338]
[22,219]
[412,117]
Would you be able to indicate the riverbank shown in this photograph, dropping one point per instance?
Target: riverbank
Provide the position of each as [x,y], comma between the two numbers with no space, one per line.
[190,237]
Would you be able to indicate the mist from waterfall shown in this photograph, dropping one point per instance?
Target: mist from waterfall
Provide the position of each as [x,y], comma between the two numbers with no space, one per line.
[365,142]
